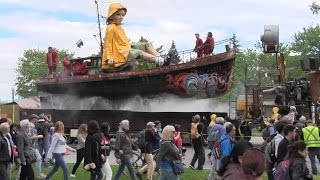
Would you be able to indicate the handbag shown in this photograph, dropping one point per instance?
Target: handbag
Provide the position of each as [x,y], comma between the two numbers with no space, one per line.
[177,167]
[30,155]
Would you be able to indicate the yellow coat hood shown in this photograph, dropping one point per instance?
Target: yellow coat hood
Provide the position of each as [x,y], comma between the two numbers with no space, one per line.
[213,118]
[275,110]
[114,7]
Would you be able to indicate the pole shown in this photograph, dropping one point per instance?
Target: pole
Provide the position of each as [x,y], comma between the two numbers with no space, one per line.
[13,104]
[101,47]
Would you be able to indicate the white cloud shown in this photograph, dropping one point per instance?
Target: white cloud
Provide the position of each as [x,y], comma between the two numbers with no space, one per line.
[159,20]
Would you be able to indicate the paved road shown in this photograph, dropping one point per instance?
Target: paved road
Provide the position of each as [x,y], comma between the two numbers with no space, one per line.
[254,140]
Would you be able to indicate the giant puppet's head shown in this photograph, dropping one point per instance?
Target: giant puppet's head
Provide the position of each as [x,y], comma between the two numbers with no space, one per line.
[114,9]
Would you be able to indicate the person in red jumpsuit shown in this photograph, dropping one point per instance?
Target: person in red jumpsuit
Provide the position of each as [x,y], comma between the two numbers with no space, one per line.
[66,66]
[197,49]
[52,60]
[208,45]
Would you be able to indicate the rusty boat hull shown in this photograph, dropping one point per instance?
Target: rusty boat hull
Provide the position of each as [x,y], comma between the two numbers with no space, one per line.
[206,77]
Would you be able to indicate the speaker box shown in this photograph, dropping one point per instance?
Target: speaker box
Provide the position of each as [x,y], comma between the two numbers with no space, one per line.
[314,64]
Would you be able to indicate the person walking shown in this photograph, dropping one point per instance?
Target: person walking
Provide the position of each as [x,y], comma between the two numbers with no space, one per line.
[6,155]
[81,139]
[197,143]
[125,145]
[57,150]
[93,157]
[168,152]
[312,139]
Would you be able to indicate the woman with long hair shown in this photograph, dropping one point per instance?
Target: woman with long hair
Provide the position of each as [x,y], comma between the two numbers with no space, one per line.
[81,138]
[253,164]
[230,165]
[106,148]
[57,149]
[168,152]
[93,157]
[298,170]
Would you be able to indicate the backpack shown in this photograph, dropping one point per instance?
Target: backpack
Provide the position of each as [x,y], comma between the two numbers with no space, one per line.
[282,171]
[216,151]
[213,136]
[194,130]
[270,149]
[141,141]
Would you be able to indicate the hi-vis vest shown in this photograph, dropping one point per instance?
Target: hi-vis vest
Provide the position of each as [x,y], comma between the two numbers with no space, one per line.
[311,136]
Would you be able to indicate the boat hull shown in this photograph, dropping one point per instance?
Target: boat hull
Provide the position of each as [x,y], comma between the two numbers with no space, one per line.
[205,77]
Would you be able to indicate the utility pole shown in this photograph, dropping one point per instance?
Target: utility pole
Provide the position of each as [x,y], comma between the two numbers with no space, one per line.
[101,47]
[13,104]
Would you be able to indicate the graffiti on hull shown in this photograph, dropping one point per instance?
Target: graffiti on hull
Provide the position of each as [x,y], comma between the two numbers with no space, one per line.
[201,84]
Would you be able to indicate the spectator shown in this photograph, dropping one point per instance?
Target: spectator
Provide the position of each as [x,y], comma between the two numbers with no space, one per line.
[208,45]
[57,149]
[125,145]
[178,138]
[230,165]
[52,60]
[35,137]
[156,142]
[197,49]
[292,114]
[147,151]
[168,152]
[253,165]
[93,157]
[300,124]
[42,127]
[312,139]
[81,139]
[289,132]
[24,143]
[6,156]
[197,142]
[67,65]
[298,170]
[14,130]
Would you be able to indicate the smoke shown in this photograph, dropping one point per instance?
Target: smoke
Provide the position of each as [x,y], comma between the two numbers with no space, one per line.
[157,103]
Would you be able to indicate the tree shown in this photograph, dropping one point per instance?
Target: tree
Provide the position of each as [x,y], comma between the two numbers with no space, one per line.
[308,41]
[31,67]
[315,8]
[173,55]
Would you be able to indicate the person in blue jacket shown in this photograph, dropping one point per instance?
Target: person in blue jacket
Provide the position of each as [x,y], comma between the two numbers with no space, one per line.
[227,141]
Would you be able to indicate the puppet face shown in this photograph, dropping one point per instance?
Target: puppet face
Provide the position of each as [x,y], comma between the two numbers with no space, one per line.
[117,17]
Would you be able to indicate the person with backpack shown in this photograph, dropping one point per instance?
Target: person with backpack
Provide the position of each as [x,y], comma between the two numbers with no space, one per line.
[147,152]
[312,139]
[300,124]
[197,142]
[269,129]
[224,147]
[214,135]
[42,127]
[294,166]
[289,135]
[230,165]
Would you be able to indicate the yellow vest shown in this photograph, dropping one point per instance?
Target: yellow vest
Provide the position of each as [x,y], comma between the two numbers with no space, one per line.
[311,136]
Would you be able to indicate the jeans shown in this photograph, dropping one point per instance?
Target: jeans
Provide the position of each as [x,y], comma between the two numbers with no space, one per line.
[269,170]
[199,153]
[44,148]
[38,163]
[96,174]
[168,175]
[80,156]
[59,161]
[313,152]
[149,166]
[26,172]
[213,170]
[125,162]
[106,171]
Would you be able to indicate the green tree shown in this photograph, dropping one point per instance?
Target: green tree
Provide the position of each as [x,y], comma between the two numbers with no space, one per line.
[315,8]
[173,54]
[31,66]
[307,41]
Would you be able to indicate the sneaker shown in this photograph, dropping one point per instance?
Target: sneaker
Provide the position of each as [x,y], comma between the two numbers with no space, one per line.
[41,176]
[139,175]
[192,167]
[72,175]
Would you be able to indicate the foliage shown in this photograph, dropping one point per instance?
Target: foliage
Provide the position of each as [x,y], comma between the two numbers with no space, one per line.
[315,8]
[173,54]
[31,67]
[308,41]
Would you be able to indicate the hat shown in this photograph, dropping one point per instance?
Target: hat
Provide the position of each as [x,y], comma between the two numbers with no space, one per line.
[293,108]
[196,34]
[114,7]
[196,117]
[150,124]
[33,116]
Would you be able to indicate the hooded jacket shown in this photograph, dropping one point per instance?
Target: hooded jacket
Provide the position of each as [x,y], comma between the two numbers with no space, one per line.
[116,46]
[275,114]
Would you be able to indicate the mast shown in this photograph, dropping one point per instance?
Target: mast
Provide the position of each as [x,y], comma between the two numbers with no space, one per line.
[101,47]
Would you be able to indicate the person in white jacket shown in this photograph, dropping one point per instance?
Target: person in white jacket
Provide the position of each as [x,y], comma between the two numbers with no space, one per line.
[57,149]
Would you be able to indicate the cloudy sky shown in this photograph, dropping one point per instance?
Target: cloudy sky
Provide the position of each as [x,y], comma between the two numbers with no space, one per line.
[27,24]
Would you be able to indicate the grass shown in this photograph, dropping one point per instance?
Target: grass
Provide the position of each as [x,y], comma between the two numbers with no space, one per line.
[81,174]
